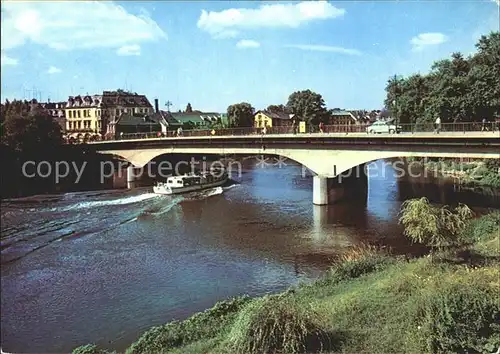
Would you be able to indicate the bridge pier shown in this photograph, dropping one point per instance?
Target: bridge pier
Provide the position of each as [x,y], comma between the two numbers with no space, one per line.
[352,185]
[131,177]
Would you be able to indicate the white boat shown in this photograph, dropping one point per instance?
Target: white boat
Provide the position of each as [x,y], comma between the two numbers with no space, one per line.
[192,182]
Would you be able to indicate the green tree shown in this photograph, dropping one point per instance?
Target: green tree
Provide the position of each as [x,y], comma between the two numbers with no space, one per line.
[456,89]
[277,108]
[30,132]
[433,226]
[241,114]
[308,106]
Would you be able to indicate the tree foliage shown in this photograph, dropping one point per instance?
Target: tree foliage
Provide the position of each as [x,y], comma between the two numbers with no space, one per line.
[241,114]
[277,108]
[28,128]
[456,89]
[308,106]
[433,226]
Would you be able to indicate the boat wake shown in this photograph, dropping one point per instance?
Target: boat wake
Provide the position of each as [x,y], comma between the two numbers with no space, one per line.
[98,203]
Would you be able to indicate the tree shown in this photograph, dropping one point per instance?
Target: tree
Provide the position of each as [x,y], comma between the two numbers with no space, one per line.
[456,89]
[189,109]
[433,226]
[241,114]
[30,132]
[277,108]
[308,106]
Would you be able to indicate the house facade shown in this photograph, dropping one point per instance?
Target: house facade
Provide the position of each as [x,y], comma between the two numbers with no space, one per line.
[271,119]
[341,117]
[83,116]
[121,102]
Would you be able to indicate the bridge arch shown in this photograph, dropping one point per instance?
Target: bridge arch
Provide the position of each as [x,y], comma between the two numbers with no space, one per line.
[325,163]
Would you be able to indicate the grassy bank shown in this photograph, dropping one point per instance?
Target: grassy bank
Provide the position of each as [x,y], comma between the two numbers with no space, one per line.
[368,302]
[477,173]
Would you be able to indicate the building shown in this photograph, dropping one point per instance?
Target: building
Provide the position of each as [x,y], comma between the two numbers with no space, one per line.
[83,116]
[160,121]
[272,119]
[130,123]
[341,117]
[93,116]
[199,120]
[121,102]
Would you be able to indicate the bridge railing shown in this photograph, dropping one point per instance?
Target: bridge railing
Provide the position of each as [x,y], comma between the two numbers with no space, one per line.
[412,128]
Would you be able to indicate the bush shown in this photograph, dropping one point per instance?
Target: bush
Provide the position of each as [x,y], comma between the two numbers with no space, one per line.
[461,319]
[90,349]
[482,229]
[358,261]
[277,324]
[207,324]
[433,226]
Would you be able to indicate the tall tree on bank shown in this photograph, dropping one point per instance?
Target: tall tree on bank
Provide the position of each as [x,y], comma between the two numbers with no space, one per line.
[30,131]
[456,89]
[308,106]
[241,114]
[189,109]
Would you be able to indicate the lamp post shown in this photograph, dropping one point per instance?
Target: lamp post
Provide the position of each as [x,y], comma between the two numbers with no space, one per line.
[168,104]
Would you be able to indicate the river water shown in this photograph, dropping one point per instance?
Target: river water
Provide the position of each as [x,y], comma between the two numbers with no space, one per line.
[103,267]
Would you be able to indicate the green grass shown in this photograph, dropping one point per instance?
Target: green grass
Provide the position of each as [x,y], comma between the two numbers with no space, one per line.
[368,302]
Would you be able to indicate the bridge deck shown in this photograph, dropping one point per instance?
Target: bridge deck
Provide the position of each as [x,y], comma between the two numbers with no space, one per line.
[465,136]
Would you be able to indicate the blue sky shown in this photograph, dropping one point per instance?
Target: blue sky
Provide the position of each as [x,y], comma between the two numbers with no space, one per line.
[213,54]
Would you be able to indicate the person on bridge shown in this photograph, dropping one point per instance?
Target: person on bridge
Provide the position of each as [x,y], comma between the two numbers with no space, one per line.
[179,131]
[437,125]
[484,126]
[212,132]
[321,127]
[264,130]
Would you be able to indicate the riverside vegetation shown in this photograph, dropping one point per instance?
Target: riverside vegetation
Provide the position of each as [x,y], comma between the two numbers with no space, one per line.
[476,173]
[370,301]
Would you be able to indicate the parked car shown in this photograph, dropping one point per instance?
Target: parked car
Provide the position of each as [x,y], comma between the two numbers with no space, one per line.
[383,127]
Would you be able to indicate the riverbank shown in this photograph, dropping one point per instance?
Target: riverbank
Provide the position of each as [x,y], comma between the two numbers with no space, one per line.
[475,173]
[371,301]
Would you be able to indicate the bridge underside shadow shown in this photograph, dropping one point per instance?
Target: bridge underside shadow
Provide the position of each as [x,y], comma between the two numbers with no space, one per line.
[350,185]
[340,174]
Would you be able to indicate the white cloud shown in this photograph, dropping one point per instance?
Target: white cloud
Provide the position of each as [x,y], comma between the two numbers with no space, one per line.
[71,25]
[132,49]
[5,60]
[228,23]
[53,70]
[427,39]
[324,48]
[247,43]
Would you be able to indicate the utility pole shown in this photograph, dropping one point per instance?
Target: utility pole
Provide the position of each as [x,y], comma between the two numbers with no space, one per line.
[168,104]
[395,102]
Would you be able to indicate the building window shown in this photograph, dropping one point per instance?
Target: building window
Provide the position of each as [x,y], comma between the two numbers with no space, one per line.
[70,115]
[79,114]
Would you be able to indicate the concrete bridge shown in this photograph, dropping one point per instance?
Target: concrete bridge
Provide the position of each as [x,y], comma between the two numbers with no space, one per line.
[326,155]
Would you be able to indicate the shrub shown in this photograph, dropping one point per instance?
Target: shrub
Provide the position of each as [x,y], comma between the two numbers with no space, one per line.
[482,228]
[432,226]
[461,319]
[277,324]
[90,349]
[202,325]
[358,261]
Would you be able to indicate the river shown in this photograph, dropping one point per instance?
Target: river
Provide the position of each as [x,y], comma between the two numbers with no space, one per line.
[103,267]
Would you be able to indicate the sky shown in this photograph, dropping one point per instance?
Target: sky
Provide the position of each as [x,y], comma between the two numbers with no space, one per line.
[214,54]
